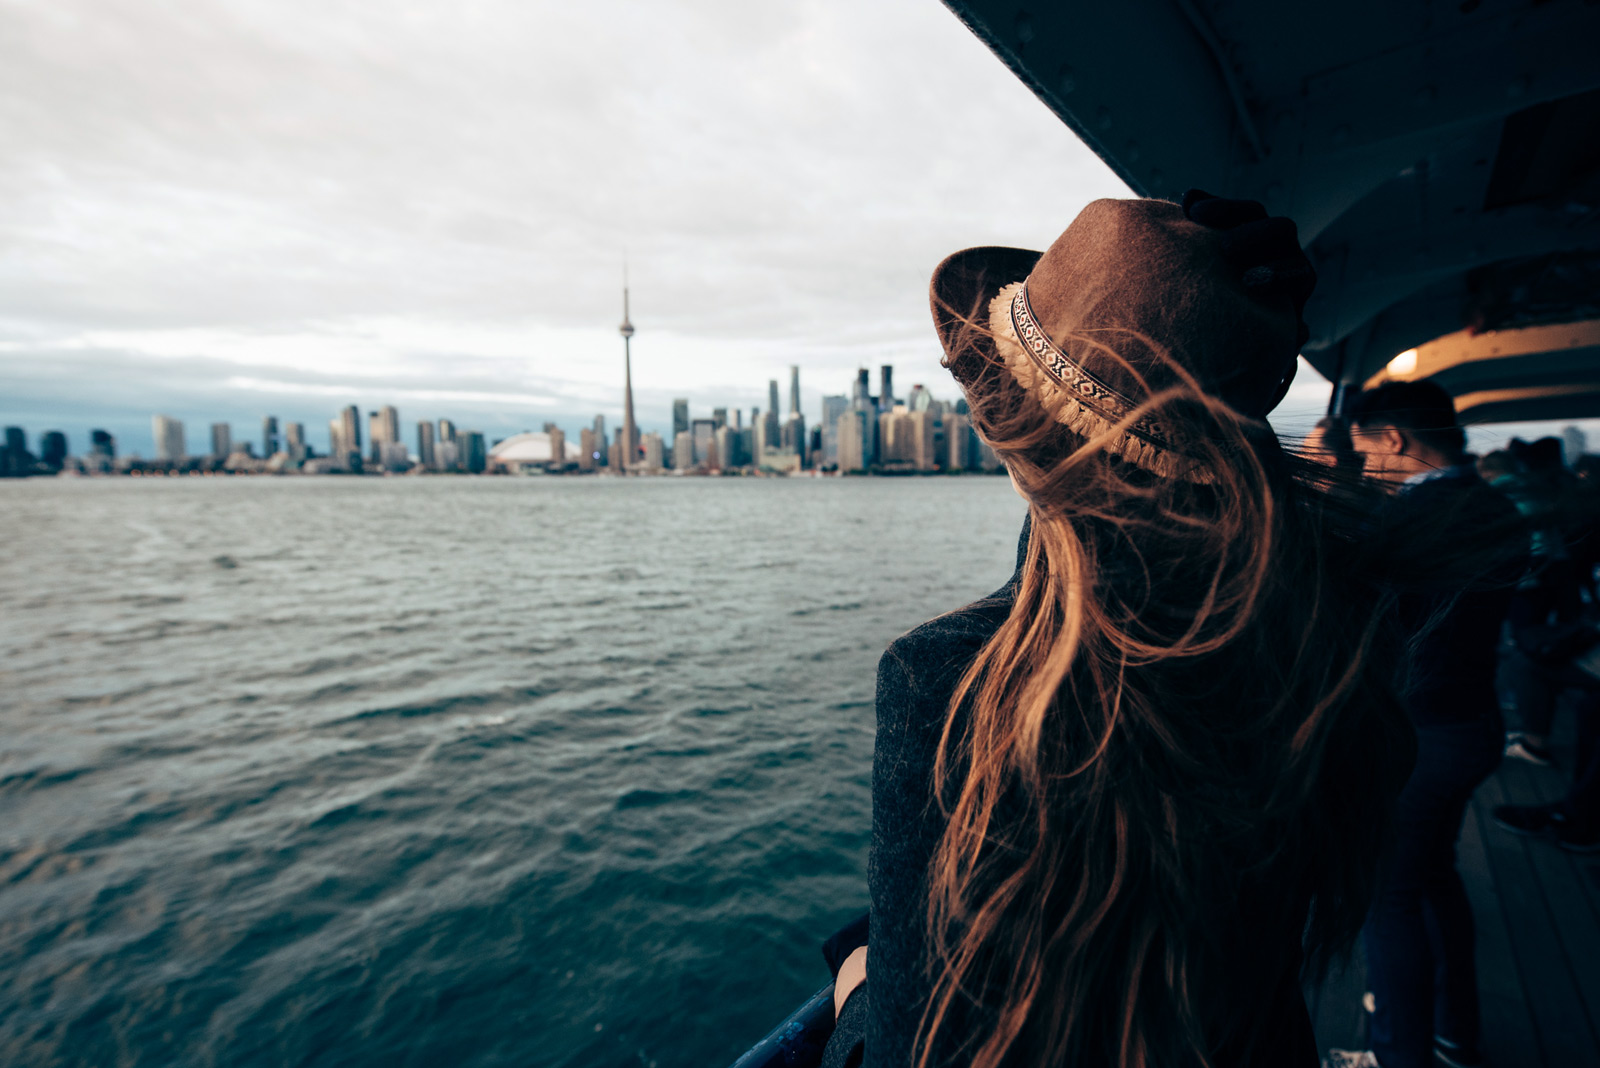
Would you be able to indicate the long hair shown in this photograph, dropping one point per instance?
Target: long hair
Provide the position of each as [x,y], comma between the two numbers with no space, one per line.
[1188,727]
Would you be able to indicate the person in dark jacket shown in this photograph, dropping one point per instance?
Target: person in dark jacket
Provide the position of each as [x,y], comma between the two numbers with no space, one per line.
[1419,937]
[1125,804]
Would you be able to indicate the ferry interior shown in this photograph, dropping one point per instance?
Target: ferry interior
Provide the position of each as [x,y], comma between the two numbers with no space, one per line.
[1442,161]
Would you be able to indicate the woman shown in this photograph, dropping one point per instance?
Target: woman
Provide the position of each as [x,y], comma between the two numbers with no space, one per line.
[1118,803]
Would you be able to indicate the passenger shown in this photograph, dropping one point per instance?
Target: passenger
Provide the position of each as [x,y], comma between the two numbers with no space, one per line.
[1558,655]
[1546,617]
[1119,801]
[1419,938]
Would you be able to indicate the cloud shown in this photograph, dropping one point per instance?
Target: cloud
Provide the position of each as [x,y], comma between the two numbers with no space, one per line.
[445,191]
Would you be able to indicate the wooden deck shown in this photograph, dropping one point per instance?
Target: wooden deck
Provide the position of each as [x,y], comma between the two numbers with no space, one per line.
[1538,924]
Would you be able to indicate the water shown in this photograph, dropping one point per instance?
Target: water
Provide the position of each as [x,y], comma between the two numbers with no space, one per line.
[445,771]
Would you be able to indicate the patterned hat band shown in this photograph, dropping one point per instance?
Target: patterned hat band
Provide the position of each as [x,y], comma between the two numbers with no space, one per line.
[1079,400]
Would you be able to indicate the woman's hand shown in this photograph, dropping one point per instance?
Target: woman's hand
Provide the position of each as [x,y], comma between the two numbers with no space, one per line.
[852,973]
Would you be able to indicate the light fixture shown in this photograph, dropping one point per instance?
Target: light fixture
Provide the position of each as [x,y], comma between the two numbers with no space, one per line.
[1404,363]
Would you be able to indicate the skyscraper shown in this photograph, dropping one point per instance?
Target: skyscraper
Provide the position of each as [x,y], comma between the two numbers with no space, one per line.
[720,417]
[294,442]
[102,445]
[630,440]
[53,449]
[772,429]
[474,457]
[651,447]
[704,433]
[863,391]
[794,389]
[558,445]
[425,455]
[269,436]
[221,441]
[886,393]
[447,431]
[600,440]
[832,408]
[168,433]
[350,437]
[384,428]
[680,416]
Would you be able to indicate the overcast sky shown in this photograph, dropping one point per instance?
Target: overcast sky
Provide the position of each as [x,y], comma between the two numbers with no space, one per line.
[223,209]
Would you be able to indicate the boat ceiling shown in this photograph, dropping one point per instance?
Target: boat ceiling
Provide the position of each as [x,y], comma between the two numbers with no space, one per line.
[1441,159]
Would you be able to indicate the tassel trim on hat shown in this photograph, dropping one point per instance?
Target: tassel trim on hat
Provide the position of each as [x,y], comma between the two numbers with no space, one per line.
[1071,409]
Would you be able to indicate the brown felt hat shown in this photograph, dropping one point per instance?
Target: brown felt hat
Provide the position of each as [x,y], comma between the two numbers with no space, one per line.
[1094,326]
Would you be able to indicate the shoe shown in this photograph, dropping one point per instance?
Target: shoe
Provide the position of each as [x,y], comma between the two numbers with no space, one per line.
[1569,839]
[1533,820]
[1451,1055]
[1518,747]
[1351,1058]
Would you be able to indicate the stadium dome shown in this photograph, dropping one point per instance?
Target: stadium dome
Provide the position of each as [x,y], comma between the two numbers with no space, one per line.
[530,448]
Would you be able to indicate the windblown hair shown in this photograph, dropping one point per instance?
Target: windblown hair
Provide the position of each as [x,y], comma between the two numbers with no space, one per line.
[1187,728]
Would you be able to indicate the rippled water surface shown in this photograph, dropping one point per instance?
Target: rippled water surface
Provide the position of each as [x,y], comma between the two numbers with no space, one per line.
[445,771]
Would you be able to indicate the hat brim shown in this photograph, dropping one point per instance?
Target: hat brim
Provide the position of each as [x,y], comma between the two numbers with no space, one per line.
[959,295]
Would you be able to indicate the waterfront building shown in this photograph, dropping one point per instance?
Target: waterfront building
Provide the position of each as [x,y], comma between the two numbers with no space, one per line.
[336,448]
[270,443]
[168,433]
[862,392]
[425,455]
[719,416]
[683,451]
[558,444]
[102,444]
[221,441]
[473,456]
[53,450]
[726,442]
[383,429]
[600,441]
[680,416]
[614,455]
[704,432]
[393,456]
[588,452]
[773,427]
[15,459]
[348,451]
[886,391]
[958,443]
[294,442]
[653,448]
[919,398]
[447,431]
[924,454]
[855,439]
[794,389]
[793,437]
[832,408]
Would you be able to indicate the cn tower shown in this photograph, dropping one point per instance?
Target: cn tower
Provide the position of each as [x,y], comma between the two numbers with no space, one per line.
[630,443]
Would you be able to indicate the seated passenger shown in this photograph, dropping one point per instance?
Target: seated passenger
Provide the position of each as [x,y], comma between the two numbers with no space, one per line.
[1118,803]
